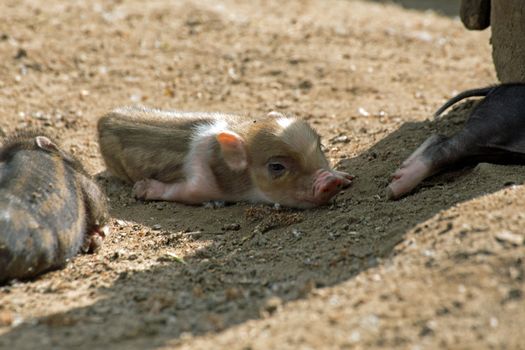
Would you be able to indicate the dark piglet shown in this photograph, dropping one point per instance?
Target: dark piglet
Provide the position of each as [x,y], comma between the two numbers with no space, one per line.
[50,208]
[493,133]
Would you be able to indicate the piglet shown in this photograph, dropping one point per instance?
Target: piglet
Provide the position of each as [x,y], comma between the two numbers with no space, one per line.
[50,208]
[193,157]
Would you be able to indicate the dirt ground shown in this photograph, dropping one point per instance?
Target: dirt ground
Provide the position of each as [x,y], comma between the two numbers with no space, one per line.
[441,268]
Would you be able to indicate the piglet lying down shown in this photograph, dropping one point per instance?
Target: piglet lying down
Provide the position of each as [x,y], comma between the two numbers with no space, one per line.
[494,133]
[198,157]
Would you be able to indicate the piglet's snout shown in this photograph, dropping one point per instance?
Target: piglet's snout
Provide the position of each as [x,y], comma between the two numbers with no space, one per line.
[328,184]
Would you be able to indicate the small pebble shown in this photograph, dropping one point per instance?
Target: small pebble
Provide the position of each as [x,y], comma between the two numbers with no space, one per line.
[333,235]
[272,304]
[232,73]
[297,233]
[341,139]
[363,112]
[510,237]
[121,223]
[355,337]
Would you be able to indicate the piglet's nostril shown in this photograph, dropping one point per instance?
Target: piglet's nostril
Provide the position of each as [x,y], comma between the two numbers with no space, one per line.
[330,185]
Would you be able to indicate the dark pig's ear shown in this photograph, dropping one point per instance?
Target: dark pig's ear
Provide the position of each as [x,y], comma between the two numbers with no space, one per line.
[233,150]
[46,144]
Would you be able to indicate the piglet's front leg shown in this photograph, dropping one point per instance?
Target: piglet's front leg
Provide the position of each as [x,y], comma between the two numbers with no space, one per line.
[422,163]
[185,192]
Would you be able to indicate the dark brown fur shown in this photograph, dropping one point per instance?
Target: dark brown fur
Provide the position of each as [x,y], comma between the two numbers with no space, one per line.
[49,207]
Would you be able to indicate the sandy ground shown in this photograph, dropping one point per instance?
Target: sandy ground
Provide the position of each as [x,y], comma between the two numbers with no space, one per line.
[441,268]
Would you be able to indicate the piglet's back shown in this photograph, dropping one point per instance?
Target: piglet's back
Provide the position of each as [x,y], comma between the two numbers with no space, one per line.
[42,209]
[138,142]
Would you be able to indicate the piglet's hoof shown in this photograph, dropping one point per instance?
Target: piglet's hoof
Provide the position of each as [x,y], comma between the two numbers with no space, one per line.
[92,244]
[407,177]
[347,178]
[140,189]
[93,240]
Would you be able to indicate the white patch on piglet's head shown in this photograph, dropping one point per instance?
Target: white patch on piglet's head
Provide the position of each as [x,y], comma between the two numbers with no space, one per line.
[304,140]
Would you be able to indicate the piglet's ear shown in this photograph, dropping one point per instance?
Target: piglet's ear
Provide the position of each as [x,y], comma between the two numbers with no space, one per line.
[233,150]
[275,114]
[46,144]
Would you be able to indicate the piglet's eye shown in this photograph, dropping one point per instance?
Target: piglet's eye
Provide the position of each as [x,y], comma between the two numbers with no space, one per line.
[276,169]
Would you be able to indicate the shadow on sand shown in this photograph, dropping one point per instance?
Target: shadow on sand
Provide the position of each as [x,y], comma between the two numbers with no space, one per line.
[232,279]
